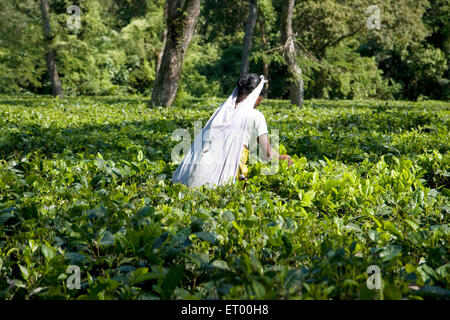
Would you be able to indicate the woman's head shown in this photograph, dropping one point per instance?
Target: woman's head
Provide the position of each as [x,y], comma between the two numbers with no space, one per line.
[246,84]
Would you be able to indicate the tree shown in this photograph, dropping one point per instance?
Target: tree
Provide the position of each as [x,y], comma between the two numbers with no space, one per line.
[49,52]
[289,52]
[248,39]
[121,44]
[222,20]
[264,62]
[182,16]
[21,50]
[159,53]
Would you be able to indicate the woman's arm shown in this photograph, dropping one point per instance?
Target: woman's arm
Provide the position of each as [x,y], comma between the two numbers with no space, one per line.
[269,153]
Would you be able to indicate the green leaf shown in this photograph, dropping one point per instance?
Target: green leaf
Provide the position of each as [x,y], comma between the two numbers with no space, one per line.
[410,268]
[140,156]
[107,239]
[228,216]
[259,289]
[24,272]
[389,226]
[249,208]
[250,221]
[30,212]
[219,264]
[142,274]
[376,220]
[206,236]
[145,212]
[352,227]
[287,245]
[237,227]
[160,240]
[200,259]
[442,271]
[75,258]
[5,217]
[171,250]
[177,244]
[48,252]
[434,291]
[31,178]
[172,279]
[391,292]
[412,224]
[430,271]
[307,198]
[390,252]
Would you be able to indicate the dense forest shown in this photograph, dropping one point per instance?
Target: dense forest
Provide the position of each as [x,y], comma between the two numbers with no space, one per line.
[352,49]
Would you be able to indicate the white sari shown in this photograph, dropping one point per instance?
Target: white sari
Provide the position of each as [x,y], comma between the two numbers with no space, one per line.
[214,156]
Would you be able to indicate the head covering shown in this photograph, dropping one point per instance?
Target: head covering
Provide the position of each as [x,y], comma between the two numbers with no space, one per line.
[213,158]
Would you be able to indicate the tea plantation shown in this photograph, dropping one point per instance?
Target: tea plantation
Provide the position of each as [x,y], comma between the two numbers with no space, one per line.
[86,183]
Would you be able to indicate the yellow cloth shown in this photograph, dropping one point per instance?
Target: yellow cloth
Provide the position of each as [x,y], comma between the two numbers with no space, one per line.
[243,163]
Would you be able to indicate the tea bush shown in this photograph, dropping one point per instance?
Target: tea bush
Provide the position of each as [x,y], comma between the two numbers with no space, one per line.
[86,182]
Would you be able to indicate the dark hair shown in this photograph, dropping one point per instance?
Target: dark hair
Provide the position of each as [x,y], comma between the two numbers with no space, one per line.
[246,84]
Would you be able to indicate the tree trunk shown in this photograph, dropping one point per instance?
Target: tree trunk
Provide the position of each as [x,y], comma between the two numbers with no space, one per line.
[182,16]
[287,37]
[159,53]
[265,64]
[49,52]
[248,38]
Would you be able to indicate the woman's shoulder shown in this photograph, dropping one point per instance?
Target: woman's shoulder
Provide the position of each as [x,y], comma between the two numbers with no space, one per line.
[257,115]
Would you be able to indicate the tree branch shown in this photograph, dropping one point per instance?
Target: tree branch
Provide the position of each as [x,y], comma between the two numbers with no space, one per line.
[345,36]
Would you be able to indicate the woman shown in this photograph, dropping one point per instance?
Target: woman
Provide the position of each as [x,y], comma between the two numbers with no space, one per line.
[220,152]
[256,132]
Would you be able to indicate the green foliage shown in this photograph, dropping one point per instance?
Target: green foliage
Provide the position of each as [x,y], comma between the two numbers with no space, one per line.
[117,48]
[86,182]
[429,65]
[100,60]
[199,59]
[344,74]
[97,60]
[22,62]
